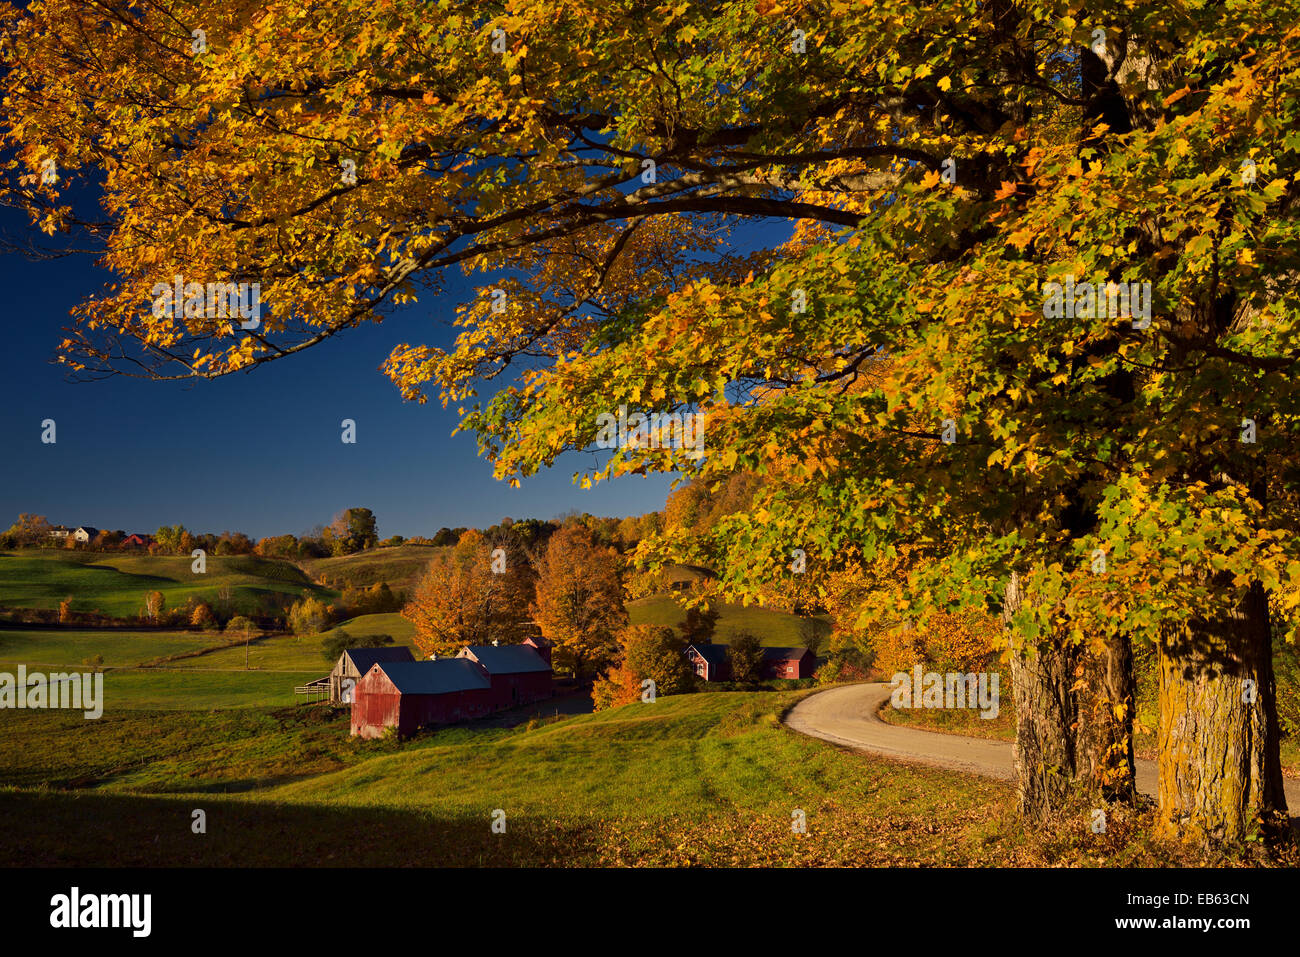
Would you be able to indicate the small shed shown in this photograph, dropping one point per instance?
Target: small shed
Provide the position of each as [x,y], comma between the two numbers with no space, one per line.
[709,661]
[409,695]
[519,674]
[354,663]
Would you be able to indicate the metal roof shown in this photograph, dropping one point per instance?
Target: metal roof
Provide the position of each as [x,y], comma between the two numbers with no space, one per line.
[443,676]
[713,654]
[717,654]
[364,658]
[506,659]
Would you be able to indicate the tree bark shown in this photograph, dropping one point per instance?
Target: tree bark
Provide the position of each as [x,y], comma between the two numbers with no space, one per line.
[1074,719]
[1105,699]
[1041,677]
[1220,771]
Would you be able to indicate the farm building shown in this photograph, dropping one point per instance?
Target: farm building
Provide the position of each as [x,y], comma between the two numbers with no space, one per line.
[354,663]
[85,533]
[518,673]
[540,645]
[60,531]
[137,541]
[408,695]
[788,663]
[711,662]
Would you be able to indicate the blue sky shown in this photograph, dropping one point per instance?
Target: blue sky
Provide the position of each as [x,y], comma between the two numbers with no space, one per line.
[259,452]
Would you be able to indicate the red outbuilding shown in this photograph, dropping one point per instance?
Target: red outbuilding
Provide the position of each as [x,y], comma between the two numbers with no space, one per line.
[788,663]
[519,675]
[408,695]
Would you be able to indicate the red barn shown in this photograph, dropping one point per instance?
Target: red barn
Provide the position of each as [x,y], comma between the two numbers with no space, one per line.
[408,695]
[788,663]
[518,673]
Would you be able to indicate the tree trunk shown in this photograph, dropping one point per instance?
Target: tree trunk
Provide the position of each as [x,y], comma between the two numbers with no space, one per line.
[1074,719]
[1220,772]
[1106,697]
[1041,676]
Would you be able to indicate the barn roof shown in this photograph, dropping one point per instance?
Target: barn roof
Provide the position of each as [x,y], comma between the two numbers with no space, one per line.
[714,654]
[506,659]
[784,654]
[442,676]
[364,658]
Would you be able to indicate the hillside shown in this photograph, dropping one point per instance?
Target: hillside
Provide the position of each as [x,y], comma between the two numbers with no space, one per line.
[773,628]
[401,566]
[703,779]
[115,583]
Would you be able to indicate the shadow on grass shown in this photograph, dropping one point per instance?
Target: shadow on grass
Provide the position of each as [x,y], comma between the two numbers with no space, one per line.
[52,829]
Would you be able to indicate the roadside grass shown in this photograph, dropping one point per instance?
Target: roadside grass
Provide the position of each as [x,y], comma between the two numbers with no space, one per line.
[773,628]
[116,584]
[71,647]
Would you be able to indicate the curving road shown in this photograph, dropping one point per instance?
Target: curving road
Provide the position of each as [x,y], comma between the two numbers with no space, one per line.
[847,716]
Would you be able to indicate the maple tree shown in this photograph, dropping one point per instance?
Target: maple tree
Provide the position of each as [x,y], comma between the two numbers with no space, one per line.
[476,593]
[895,362]
[579,599]
[653,652]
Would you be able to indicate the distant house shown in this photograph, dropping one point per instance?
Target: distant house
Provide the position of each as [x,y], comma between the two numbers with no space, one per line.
[408,695]
[519,675]
[712,663]
[354,663]
[137,541]
[60,532]
[85,534]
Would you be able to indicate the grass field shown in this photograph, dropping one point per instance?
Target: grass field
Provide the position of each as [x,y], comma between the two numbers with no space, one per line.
[116,584]
[215,679]
[774,628]
[119,649]
[299,653]
[696,779]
